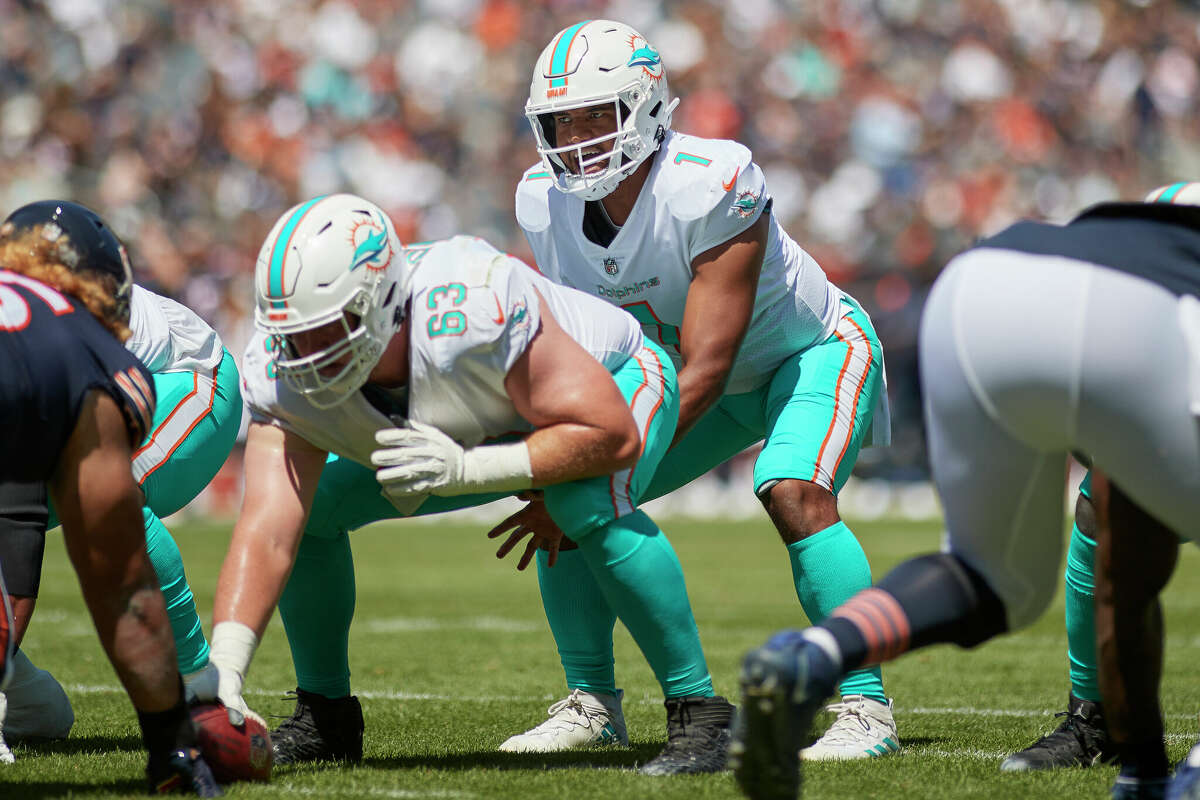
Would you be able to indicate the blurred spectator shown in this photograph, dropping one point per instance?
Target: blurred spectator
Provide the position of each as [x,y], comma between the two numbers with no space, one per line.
[893,132]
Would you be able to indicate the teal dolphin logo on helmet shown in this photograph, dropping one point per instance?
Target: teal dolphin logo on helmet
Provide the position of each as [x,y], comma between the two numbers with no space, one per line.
[644,56]
[368,251]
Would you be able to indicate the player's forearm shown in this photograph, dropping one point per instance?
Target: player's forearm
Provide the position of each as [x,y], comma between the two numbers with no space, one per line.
[701,384]
[253,576]
[106,541]
[569,451]
[130,615]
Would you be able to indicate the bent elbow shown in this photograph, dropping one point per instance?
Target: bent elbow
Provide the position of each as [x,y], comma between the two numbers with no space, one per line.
[626,448]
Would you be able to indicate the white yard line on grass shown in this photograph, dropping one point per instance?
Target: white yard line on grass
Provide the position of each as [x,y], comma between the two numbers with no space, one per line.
[964,711]
[326,791]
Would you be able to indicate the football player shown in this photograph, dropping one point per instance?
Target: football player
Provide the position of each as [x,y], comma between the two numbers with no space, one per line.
[75,403]
[1032,346]
[680,232]
[503,382]
[195,423]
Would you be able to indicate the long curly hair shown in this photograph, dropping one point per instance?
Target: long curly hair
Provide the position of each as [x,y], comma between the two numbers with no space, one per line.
[31,254]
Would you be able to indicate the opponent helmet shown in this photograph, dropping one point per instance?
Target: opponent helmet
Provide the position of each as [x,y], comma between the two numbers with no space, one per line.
[90,246]
[333,259]
[591,63]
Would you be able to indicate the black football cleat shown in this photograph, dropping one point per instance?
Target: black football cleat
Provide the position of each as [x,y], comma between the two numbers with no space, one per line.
[183,772]
[697,737]
[784,685]
[320,729]
[1081,740]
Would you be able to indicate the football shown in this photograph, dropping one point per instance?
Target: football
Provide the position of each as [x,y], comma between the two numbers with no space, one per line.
[234,754]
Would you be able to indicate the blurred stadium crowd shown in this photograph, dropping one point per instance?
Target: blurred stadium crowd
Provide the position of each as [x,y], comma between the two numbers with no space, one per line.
[892,132]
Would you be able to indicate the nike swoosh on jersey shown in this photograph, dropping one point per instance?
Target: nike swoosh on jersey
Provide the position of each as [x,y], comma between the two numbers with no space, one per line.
[499,320]
[733,180]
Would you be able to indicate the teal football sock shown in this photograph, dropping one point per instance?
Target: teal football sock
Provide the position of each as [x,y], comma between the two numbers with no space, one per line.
[829,568]
[191,648]
[317,607]
[642,580]
[580,620]
[1081,622]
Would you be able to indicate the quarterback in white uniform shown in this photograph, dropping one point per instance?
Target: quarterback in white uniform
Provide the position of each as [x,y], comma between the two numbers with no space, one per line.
[678,230]
[501,382]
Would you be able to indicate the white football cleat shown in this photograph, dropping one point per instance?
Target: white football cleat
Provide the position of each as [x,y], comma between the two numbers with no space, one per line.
[864,728]
[37,705]
[581,719]
[6,756]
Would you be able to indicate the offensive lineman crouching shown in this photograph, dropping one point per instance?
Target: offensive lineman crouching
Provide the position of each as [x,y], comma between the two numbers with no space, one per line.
[465,345]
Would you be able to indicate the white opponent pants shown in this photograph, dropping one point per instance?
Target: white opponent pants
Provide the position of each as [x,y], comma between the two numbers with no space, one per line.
[1025,358]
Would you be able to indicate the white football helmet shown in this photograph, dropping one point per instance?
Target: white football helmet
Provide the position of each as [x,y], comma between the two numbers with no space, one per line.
[590,63]
[333,259]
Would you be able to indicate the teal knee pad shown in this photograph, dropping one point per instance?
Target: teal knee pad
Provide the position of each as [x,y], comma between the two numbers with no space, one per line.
[642,580]
[191,648]
[317,607]
[580,620]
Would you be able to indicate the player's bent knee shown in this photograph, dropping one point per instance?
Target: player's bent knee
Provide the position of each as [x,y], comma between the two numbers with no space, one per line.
[800,508]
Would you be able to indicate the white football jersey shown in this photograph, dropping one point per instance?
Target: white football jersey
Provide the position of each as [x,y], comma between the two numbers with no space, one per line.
[473,313]
[699,194]
[169,337]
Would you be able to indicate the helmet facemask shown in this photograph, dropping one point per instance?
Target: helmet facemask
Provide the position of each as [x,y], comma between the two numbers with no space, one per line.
[622,151]
[312,373]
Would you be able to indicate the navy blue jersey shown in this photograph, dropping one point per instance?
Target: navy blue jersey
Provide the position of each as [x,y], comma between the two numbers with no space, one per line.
[1158,242]
[52,353]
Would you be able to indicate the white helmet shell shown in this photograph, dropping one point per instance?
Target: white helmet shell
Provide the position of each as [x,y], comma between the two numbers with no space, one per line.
[333,259]
[591,63]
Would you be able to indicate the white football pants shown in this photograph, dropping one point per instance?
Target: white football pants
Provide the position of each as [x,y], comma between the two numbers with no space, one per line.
[1025,358]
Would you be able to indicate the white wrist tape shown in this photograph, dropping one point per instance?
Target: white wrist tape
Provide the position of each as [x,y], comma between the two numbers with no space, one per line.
[496,468]
[233,646]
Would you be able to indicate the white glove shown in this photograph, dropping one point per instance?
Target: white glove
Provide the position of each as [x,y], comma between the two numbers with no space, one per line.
[420,459]
[233,646]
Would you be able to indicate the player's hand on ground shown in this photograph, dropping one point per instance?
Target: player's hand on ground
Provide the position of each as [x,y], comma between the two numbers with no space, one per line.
[532,521]
[417,459]
[184,772]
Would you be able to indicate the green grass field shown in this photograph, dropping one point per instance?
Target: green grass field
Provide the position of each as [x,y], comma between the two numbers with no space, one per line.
[451,654]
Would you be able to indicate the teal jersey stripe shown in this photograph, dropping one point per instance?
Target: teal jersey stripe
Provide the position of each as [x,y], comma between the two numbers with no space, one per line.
[558,60]
[279,252]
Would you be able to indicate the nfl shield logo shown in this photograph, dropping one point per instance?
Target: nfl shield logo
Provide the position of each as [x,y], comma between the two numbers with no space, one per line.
[610,266]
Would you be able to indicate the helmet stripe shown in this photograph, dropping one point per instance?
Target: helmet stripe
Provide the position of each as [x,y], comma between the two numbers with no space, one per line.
[558,60]
[279,252]
[1169,193]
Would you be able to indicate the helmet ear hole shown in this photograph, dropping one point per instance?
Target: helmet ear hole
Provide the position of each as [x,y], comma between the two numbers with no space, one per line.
[657,107]
[391,295]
